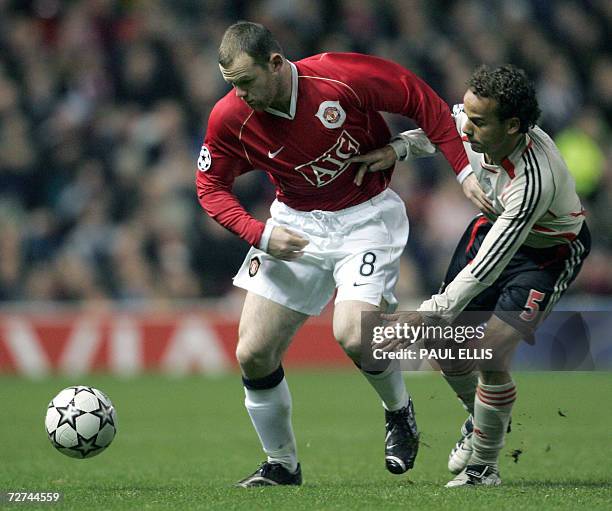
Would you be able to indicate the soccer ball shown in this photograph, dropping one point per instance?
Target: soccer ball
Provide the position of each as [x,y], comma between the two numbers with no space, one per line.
[81,422]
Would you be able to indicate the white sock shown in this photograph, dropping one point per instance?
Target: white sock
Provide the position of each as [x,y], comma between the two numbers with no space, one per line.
[492,409]
[464,386]
[270,412]
[390,387]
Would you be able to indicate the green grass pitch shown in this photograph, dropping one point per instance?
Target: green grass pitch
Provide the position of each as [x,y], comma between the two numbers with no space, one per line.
[182,442]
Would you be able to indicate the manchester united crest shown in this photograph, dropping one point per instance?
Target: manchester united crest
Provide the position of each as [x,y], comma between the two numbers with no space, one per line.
[254,266]
[331,114]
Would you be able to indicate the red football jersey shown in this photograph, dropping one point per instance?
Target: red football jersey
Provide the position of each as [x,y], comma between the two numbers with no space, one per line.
[334,115]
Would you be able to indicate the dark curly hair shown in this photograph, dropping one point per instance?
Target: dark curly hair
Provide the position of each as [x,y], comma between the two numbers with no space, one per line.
[514,93]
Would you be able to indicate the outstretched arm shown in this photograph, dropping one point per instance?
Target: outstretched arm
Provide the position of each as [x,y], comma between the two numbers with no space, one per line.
[415,144]
[527,199]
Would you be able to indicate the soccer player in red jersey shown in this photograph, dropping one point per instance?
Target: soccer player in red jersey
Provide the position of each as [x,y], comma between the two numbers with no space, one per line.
[301,122]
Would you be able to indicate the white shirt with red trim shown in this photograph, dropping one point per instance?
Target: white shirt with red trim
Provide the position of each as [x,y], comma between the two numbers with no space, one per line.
[334,114]
[535,202]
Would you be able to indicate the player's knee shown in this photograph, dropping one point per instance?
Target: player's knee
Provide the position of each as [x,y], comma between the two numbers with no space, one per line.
[350,341]
[495,377]
[456,367]
[255,361]
[352,348]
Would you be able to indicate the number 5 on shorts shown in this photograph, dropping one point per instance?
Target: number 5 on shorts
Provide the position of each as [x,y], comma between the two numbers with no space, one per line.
[532,305]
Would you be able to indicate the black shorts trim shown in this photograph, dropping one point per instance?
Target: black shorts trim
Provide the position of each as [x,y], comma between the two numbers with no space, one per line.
[530,285]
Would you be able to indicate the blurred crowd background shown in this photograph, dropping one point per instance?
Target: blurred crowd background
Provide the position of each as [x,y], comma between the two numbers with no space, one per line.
[104,103]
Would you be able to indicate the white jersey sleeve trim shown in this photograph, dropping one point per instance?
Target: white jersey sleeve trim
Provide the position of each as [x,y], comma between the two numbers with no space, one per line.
[401,151]
[416,144]
[265,237]
[465,172]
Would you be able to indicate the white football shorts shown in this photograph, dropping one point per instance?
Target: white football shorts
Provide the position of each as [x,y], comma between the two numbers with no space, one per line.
[355,250]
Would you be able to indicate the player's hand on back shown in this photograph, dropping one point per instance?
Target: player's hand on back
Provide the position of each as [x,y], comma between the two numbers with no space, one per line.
[379,159]
[474,192]
[285,244]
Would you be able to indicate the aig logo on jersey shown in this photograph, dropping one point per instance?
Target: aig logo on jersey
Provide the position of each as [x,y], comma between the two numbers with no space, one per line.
[332,163]
[205,159]
[331,114]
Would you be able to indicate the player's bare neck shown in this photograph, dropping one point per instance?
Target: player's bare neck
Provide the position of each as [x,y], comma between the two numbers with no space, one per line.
[505,150]
[283,101]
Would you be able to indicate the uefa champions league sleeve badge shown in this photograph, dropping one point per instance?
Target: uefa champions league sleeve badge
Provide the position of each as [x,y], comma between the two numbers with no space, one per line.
[204,160]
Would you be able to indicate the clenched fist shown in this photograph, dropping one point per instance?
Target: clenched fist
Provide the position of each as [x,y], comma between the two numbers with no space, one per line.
[285,244]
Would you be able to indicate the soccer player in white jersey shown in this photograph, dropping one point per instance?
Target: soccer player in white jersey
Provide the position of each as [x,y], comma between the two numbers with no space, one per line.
[513,262]
[300,122]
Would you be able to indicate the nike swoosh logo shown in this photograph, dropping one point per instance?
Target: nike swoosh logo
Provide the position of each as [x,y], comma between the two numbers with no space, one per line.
[275,153]
[360,284]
